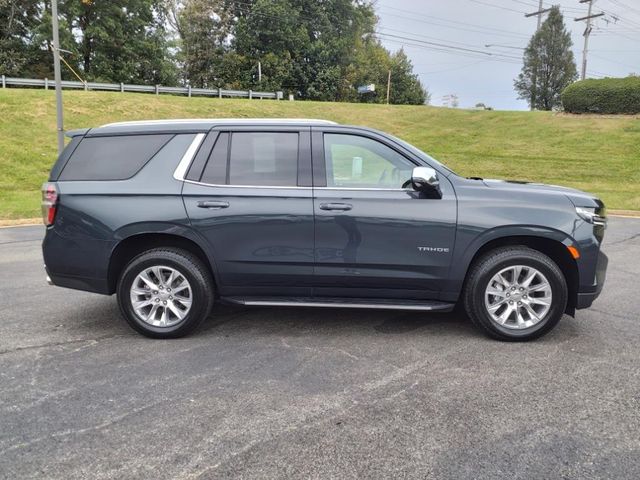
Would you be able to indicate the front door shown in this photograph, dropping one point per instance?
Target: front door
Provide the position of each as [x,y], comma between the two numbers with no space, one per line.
[249,193]
[374,237]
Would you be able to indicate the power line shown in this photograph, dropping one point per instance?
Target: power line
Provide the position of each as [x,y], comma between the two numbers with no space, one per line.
[487,4]
[460,67]
[456,24]
[444,50]
[448,46]
[615,61]
[599,32]
[562,7]
[468,45]
[624,5]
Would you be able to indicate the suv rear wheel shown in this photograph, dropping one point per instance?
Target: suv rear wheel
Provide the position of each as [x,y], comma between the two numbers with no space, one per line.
[165,293]
[515,293]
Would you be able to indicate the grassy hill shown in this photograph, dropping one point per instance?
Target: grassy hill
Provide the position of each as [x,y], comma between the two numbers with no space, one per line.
[597,154]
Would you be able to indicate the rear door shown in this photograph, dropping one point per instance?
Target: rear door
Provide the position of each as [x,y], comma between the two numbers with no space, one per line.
[248,192]
[374,238]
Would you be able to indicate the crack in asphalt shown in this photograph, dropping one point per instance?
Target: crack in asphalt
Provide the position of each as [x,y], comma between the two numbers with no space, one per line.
[20,241]
[624,240]
[342,403]
[616,315]
[68,342]
[65,433]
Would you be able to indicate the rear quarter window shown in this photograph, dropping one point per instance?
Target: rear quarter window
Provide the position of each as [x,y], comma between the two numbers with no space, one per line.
[112,158]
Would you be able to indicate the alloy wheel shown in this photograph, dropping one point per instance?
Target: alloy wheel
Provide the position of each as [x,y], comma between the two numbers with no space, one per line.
[518,297]
[161,296]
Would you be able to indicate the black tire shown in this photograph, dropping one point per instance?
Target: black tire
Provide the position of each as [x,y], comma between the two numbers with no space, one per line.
[189,266]
[483,270]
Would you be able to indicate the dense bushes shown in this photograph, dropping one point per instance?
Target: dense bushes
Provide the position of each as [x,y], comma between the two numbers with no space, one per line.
[607,95]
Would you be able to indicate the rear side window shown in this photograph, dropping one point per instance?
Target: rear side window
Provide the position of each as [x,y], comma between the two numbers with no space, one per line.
[263,158]
[215,172]
[112,158]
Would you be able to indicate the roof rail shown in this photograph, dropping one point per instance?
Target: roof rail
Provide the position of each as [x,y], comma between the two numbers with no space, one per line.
[222,121]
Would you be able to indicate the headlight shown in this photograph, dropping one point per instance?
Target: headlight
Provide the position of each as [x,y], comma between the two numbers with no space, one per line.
[597,216]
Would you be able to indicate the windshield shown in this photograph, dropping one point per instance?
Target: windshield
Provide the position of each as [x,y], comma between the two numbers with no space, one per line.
[421,154]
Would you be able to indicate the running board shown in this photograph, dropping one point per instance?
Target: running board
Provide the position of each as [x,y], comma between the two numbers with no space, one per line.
[337,302]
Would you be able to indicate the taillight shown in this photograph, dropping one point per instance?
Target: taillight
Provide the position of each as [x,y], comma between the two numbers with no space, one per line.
[49,203]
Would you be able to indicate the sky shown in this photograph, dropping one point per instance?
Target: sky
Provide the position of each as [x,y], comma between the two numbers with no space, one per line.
[466,70]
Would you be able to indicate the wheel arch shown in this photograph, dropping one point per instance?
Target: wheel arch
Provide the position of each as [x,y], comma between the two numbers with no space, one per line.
[136,243]
[553,244]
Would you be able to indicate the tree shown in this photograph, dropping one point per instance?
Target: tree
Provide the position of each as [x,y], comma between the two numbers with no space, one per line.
[405,85]
[321,51]
[18,22]
[318,50]
[204,27]
[119,40]
[549,65]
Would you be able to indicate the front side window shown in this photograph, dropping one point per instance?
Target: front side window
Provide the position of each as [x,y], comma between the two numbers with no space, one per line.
[353,161]
[263,158]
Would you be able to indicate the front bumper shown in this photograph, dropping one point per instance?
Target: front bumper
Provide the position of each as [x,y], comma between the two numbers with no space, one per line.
[585,299]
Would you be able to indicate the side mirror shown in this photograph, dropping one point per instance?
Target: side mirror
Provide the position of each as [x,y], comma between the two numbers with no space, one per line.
[425,180]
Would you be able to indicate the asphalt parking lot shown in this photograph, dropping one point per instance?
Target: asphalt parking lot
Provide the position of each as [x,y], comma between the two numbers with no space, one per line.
[304,393]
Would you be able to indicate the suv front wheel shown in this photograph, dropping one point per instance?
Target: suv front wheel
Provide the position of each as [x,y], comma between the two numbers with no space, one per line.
[165,293]
[515,293]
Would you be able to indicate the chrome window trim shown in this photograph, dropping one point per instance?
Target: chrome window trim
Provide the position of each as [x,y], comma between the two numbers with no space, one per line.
[218,185]
[370,189]
[246,186]
[181,170]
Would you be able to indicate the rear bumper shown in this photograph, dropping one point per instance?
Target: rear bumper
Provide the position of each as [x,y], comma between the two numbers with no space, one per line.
[94,285]
[73,264]
[86,284]
[585,299]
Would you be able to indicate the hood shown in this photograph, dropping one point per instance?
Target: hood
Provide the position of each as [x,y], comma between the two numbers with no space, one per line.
[577,197]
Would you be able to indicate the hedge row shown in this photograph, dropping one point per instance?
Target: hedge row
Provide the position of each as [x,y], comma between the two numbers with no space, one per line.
[607,95]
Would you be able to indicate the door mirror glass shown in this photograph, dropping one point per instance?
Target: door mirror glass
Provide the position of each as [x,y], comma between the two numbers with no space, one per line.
[425,179]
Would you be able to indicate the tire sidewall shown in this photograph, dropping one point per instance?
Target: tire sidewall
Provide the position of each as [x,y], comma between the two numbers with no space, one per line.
[558,302]
[200,303]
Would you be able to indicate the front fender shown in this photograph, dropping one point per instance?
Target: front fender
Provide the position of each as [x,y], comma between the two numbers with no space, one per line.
[469,243]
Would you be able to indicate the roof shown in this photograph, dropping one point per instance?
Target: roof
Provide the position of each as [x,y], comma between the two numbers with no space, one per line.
[197,124]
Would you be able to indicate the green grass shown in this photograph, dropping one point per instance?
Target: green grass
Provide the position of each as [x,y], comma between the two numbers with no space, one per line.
[596,154]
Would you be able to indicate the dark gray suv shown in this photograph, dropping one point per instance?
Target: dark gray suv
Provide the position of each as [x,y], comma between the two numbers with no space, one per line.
[176,215]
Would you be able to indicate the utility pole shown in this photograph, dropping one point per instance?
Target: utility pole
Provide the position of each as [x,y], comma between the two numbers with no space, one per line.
[260,72]
[586,34]
[56,74]
[541,11]
[388,86]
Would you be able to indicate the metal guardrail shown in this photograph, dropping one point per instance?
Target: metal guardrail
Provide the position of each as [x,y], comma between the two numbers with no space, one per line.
[125,87]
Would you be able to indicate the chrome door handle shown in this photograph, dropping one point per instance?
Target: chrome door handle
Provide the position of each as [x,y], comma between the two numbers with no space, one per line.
[212,204]
[342,207]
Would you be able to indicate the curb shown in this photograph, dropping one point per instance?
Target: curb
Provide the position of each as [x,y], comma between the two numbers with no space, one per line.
[624,213]
[20,222]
